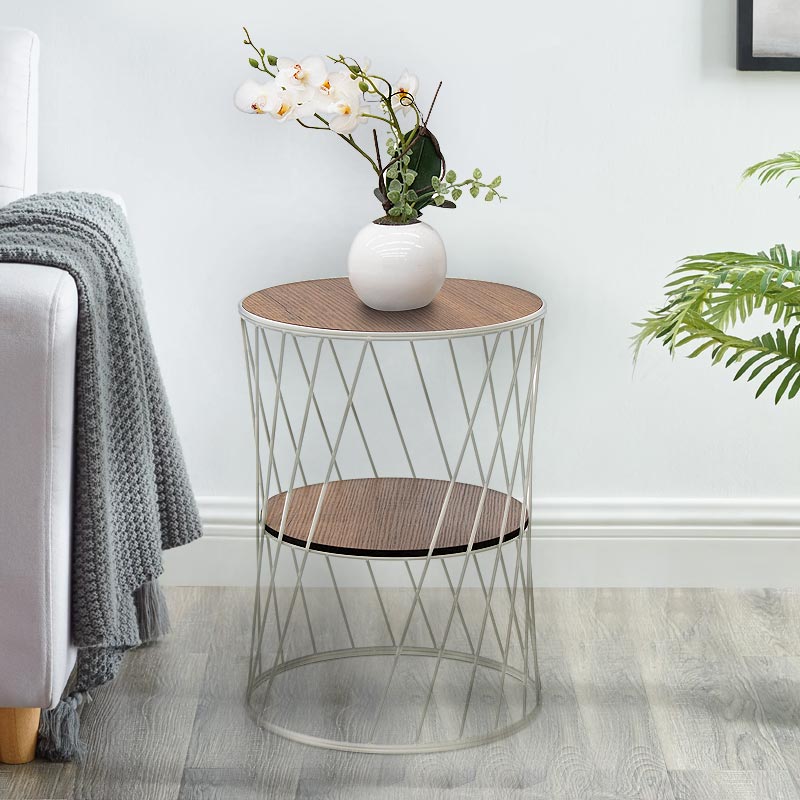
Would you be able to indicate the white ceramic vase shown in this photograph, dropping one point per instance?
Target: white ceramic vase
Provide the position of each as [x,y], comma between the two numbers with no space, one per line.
[397,267]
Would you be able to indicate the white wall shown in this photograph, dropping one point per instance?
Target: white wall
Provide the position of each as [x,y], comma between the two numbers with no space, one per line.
[620,129]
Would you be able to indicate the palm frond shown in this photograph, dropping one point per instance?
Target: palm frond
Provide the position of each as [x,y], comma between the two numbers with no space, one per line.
[710,293]
[774,168]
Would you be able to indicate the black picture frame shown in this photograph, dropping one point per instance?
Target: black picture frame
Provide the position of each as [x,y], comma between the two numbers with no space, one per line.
[745,60]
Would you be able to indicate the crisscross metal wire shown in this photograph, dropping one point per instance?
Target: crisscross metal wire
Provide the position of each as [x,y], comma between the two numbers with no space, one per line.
[480,620]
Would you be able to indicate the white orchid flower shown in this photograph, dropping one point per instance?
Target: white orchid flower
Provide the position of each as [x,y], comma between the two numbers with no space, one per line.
[270,98]
[252,97]
[345,102]
[404,91]
[283,105]
[305,78]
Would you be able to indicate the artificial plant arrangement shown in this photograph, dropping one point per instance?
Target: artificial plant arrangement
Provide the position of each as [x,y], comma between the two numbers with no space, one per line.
[710,294]
[350,93]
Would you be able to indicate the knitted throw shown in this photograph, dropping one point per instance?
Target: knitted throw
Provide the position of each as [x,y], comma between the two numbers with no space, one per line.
[132,497]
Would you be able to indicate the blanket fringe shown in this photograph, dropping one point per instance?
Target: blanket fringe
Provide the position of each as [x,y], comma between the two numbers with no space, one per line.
[59,731]
[59,728]
[151,611]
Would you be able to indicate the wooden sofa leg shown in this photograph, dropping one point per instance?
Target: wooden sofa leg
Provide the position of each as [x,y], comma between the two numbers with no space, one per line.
[18,731]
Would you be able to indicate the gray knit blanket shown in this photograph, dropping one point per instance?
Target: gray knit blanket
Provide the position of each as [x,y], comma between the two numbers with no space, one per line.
[132,497]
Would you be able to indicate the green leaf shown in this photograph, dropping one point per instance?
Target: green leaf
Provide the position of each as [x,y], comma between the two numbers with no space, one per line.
[773,375]
[477,174]
[411,196]
[395,211]
[438,200]
[496,182]
[474,191]
[795,388]
[253,63]
[409,177]
[774,168]
[435,183]
[393,196]
[392,172]
[425,160]
[450,177]
[395,186]
[785,382]
[456,193]
[489,197]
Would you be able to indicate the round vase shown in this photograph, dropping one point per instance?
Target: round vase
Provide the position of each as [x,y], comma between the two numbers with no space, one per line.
[397,267]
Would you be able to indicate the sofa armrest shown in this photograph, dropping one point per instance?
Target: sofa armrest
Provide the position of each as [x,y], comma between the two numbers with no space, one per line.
[38,331]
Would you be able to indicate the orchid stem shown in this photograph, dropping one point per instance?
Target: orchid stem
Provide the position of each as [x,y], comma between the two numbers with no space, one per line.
[260,54]
[375,116]
[433,103]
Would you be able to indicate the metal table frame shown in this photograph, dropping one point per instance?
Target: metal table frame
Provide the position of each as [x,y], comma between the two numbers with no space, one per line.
[268,346]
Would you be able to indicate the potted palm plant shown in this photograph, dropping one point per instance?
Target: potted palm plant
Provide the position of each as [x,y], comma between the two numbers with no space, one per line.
[708,295]
[396,262]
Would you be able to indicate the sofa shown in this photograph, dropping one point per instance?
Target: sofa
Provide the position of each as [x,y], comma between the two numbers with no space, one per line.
[38,327]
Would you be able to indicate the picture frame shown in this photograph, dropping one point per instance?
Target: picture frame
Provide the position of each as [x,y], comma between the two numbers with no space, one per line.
[768,35]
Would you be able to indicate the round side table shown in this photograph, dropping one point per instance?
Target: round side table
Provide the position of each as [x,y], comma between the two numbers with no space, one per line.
[393,491]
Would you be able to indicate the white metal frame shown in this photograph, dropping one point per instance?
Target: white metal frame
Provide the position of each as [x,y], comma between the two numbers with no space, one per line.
[504,644]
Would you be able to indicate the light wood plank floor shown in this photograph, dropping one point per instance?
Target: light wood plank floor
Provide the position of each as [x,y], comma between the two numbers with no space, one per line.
[668,694]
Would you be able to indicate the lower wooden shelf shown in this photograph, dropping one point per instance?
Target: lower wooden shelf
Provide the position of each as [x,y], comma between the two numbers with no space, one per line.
[393,517]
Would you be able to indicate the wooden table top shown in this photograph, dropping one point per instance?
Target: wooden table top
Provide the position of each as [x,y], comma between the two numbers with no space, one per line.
[393,517]
[330,304]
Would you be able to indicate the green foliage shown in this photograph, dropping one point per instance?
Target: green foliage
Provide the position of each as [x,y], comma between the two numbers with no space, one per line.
[709,294]
[450,186]
[426,162]
[774,168]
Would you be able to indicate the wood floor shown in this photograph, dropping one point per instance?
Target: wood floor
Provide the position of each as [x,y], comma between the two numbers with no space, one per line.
[652,694]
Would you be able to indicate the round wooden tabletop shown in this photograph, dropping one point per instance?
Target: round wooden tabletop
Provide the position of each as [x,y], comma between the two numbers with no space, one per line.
[330,304]
[393,517]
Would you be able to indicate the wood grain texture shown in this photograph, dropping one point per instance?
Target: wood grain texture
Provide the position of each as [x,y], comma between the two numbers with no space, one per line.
[625,673]
[707,712]
[229,756]
[393,517]
[777,684]
[330,304]
[139,737]
[733,785]
[18,734]
[764,622]
[619,723]
[38,780]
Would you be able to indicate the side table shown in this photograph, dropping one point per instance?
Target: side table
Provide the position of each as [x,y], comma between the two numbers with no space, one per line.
[393,453]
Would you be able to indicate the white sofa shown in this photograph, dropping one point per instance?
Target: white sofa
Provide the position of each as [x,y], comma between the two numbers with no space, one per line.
[38,326]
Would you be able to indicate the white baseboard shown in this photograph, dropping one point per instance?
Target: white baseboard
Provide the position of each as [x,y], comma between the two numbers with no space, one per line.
[576,542]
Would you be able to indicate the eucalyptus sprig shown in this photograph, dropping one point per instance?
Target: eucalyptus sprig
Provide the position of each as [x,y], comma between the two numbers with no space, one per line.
[448,187]
[414,175]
